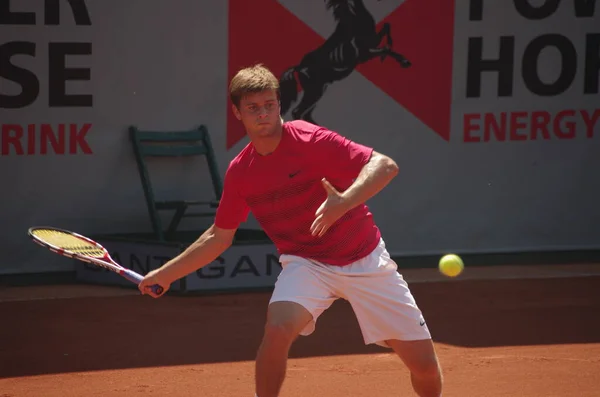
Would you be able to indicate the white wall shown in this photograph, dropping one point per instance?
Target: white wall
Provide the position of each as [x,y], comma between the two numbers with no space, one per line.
[165,65]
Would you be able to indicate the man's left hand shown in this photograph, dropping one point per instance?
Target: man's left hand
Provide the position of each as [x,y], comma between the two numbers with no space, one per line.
[332,209]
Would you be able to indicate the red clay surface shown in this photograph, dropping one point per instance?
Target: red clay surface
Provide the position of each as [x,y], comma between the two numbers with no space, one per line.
[518,338]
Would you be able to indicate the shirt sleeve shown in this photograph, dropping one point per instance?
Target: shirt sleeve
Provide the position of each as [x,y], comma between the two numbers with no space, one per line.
[232,209]
[344,158]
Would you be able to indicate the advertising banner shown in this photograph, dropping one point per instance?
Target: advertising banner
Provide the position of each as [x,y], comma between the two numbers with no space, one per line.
[490,108]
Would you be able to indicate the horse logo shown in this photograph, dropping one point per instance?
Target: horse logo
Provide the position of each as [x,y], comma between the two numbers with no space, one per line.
[354,41]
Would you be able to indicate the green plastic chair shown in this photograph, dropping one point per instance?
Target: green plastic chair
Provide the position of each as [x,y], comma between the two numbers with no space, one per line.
[196,142]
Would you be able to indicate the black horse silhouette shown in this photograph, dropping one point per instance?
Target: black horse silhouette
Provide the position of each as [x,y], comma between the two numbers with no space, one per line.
[354,41]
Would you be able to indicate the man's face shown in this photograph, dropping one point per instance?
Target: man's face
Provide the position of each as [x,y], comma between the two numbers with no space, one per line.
[259,113]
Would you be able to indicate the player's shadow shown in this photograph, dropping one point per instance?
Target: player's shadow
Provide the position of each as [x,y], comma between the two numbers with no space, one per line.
[66,335]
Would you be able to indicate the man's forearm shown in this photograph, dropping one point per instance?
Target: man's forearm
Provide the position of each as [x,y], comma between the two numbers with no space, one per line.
[200,253]
[374,176]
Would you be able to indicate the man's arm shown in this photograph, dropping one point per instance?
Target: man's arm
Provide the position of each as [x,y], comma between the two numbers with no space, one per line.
[374,176]
[212,243]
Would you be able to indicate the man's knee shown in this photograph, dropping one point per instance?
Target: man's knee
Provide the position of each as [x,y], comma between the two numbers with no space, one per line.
[279,334]
[419,356]
[285,321]
[426,369]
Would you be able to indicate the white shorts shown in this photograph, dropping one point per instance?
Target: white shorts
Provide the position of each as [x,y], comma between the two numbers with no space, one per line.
[383,304]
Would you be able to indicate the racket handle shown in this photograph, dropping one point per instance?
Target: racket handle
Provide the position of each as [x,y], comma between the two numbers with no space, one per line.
[137,278]
[157,289]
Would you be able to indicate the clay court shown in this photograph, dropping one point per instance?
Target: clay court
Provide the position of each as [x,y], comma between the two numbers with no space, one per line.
[499,331]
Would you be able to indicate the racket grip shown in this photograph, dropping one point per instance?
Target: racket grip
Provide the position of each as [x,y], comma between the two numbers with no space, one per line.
[157,289]
[137,278]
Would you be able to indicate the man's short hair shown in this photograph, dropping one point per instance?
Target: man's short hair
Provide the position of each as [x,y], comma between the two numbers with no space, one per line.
[251,80]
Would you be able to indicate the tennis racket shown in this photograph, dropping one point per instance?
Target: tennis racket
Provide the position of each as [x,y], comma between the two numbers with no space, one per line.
[76,246]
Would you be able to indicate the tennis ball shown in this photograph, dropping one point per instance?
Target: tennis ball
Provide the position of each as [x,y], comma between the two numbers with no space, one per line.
[451,265]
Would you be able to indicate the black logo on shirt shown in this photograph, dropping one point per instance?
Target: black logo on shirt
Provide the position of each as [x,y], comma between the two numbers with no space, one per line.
[293,174]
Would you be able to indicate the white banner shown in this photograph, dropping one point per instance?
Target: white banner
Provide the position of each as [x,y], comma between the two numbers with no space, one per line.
[241,266]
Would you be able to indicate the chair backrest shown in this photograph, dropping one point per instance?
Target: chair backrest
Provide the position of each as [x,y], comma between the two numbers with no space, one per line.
[167,144]
[175,144]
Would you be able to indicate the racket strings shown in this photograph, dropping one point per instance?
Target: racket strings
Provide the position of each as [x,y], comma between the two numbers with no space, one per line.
[69,243]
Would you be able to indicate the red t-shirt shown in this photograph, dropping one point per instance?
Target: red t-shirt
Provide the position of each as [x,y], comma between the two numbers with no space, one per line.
[284,190]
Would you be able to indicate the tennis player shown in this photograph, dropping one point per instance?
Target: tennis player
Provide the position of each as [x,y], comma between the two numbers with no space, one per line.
[307,187]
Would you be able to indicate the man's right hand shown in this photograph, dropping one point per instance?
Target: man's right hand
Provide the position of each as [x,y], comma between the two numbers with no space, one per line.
[212,243]
[150,279]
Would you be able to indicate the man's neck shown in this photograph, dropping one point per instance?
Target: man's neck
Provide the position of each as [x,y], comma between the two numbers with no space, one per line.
[266,146]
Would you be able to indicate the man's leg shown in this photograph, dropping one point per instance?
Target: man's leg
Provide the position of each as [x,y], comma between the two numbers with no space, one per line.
[302,293]
[389,316]
[285,320]
[420,358]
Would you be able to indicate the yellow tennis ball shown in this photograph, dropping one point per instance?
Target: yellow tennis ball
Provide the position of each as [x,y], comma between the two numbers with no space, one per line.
[451,265]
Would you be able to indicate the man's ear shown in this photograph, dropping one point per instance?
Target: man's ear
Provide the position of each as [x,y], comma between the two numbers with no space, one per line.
[236,112]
